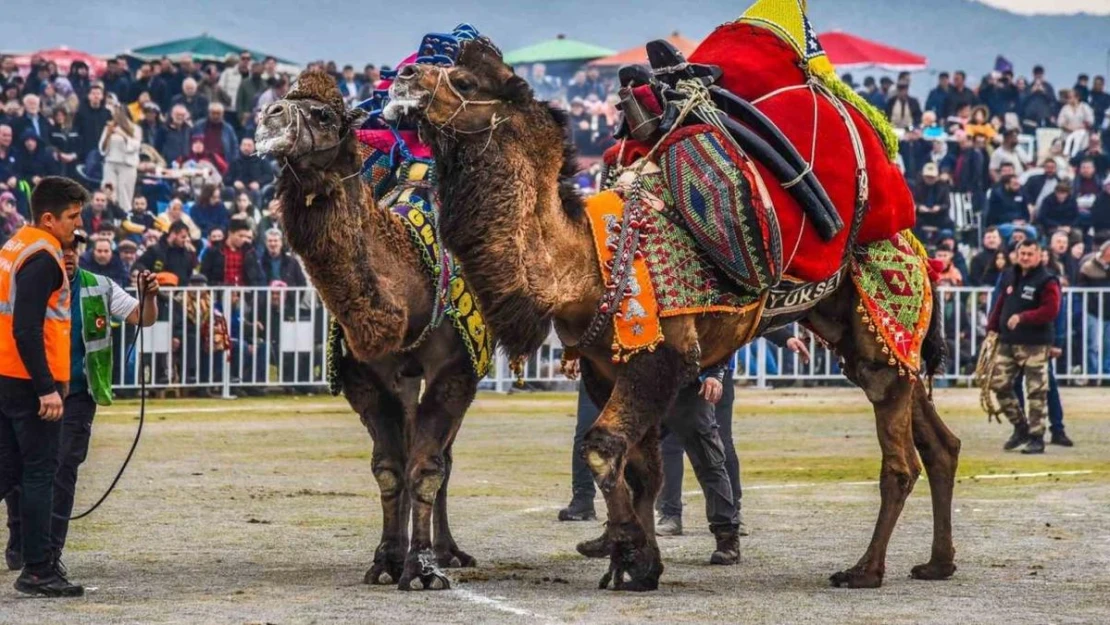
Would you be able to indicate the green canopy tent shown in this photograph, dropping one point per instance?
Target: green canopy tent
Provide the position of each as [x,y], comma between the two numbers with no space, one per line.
[202,48]
[557,50]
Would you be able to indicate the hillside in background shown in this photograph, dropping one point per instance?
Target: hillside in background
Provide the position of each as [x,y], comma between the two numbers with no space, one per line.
[952,33]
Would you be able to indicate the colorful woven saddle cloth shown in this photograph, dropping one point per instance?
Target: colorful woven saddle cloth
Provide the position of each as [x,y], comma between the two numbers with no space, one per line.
[896,297]
[715,190]
[406,189]
[669,274]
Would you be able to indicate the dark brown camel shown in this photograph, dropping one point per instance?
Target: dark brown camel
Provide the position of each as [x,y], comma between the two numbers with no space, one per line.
[512,219]
[370,277]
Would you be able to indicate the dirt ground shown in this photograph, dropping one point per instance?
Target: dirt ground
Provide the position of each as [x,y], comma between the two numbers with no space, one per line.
[265,511]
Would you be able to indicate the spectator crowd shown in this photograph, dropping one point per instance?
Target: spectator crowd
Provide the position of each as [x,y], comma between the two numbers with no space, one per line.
[167,147]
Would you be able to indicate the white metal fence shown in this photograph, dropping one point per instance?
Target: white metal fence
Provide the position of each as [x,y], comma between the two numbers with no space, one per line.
[241,340]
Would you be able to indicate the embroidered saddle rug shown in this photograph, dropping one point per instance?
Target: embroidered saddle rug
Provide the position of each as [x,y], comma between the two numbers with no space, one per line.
[407,191]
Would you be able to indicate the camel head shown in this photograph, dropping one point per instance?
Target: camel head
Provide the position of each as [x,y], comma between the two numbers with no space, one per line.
[309,126]
[471,97]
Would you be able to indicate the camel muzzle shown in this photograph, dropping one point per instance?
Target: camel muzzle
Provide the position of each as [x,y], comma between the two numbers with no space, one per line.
[277,131]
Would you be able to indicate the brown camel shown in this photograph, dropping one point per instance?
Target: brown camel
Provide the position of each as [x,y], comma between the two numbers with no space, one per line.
[371,278]
[512,218]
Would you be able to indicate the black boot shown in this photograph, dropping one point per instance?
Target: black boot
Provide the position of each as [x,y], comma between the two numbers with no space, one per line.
[1035,446]
[728,546]
[45,581]
[1019,437]
[14,559]
[13,555]
[1061,439]
[599,547]
[581,508]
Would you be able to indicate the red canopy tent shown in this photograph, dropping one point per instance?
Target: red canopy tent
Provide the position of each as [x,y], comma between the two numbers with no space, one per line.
[638,54]
[63,57]
[847,51]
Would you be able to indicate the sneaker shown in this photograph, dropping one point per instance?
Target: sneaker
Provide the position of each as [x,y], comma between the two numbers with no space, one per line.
[669,525]
[728,547]
[579,509]
[1018,438]
[47,583]
[1035,445]
[14,559]
[1061,439]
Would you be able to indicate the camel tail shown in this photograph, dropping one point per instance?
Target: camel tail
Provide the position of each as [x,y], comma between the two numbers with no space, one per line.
[934,351]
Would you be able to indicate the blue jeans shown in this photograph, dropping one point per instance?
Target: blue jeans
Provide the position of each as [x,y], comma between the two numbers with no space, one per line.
[1055,408]
[1094,327]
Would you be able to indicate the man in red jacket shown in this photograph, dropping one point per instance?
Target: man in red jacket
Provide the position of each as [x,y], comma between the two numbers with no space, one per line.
[1024,316]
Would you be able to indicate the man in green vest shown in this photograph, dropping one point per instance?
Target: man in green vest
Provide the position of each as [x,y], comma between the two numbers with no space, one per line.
[96,301]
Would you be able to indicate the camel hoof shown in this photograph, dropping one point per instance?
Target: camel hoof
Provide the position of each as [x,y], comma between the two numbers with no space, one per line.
[856,578]
[632,569]
[422,573]
[933,571]
[383,574]
[455,558]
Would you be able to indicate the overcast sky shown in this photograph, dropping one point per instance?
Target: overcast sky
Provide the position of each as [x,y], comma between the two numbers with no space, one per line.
[1098,7]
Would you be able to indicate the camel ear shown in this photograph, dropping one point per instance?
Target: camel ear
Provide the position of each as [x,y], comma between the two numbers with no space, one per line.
[355,117]
[517,90]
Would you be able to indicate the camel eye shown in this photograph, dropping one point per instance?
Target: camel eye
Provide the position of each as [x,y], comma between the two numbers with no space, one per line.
[465,84]
[323,114]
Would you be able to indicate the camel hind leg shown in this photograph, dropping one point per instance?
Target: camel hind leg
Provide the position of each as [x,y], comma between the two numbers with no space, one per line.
[892,395]
[940,452]
[450,389]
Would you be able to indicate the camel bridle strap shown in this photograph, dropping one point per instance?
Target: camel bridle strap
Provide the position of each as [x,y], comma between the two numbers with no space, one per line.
[303,123]
[495,121]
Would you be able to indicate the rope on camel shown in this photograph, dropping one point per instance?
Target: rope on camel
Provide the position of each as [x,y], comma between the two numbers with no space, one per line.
[984,377]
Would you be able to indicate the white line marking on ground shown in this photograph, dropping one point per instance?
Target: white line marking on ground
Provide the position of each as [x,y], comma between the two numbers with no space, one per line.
[227,408]
[500,606]
[991,476]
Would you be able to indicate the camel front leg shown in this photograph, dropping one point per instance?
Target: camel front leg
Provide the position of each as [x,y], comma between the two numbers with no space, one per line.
[940,452]
[438,417]
[383,415]
[644,390]
[448,553]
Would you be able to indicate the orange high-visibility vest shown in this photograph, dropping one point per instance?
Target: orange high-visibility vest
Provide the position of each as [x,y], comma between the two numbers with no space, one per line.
[56,326]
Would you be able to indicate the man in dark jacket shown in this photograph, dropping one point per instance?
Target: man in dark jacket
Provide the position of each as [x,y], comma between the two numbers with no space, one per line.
[1100,214]
[937,101]
[235,261]
[117,80]
[1024,317]
[983,271]
[174,254]
[251,172]
[103,262]
[1040,186]
[249,90]
[959,95]
[903,110]
[932,199]
[173,142]
[1007,204]
[1099,100]
[1058,210]
[91,118]
[34,161]
[32,119]
[1095,273]
[278,265]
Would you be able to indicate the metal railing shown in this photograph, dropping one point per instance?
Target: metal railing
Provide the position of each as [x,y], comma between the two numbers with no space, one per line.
[232,340]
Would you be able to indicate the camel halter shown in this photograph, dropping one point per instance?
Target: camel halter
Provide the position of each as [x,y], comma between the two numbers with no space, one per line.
[302,123]
[495,121]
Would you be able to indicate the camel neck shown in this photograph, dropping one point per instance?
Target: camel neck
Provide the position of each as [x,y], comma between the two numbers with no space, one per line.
[503,218]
